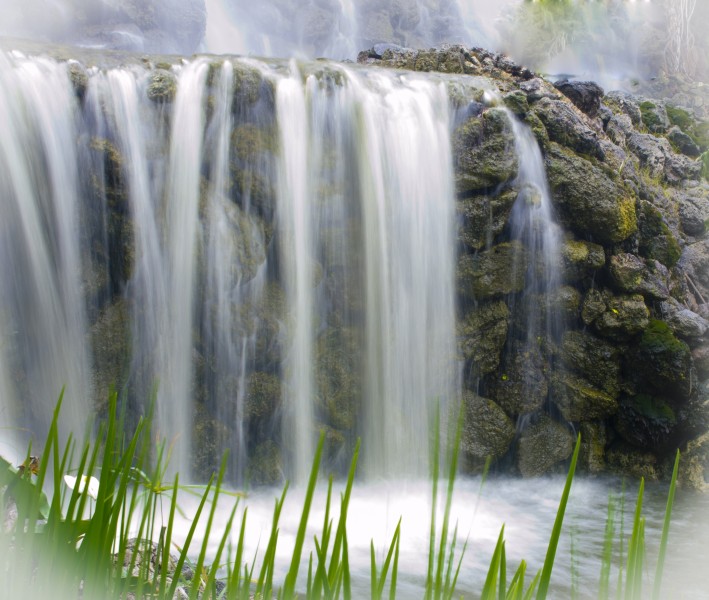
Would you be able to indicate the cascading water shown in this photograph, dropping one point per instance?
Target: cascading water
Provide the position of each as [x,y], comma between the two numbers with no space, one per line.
[538,323]
[42,310]
[172,189]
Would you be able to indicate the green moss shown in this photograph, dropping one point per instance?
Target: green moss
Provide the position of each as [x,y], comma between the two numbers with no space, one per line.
[680,117]
[654,408]
[656,239]
[705,165]
[658,338]
[262,396]
[162,86]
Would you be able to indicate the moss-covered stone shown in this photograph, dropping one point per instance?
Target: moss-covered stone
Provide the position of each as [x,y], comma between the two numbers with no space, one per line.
[590,202]
[567,128]
[661,363]
[520,386]
[593,447]
[264,465]
[162,86]
[616,317]
[516,101]
[578,400]
[482,218]
[481,336]
[263,396]
[248,83]
[656,241]
[337,375]
[654,116]
[79,79]
[626,460]
[596,360]
[543,445]
[580,259]
[645,421]
[110,345]
[566,303]
[483,152]
[492,273]
[487,430]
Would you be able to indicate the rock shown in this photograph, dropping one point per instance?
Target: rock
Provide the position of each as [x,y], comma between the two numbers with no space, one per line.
[656,240]
[593,447]
[618,128]
[492,273]
[566,301]
[589,201]
[586,95]
[264,466]
[683,142]
[682,321]
[543,445]
[694,263]
[536,89]
[483,152]
[624,103]
[481,336]
[483,218]
[595,359]
[578,400]
[263,396]
[520,386]
[651,151]
[580,259]
[646,422]
[627,460]
[516,101]
[654,116]
[567,128]
[162,86]
[661,364]
[634,275]
[618,318]
[487,430]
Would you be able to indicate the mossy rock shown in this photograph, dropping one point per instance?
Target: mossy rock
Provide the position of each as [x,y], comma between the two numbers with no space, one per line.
[627,460]
[484,217]
[517,102]
[567,128]
[647,422]
[483,152]
[593,447]
[162,86]
[263,396]
[578,400]
[581,259]
[487,431]
[654,116]
[656,241]
[566,303]
[589,201]
[493,273]
[542,446]
[661,363]
[111,348]
[619,318]
[338,379]
[632,274]
[264,465]
[481,336]
[79,79]
[520,386]
[595,359]
[248,83]
[209,436]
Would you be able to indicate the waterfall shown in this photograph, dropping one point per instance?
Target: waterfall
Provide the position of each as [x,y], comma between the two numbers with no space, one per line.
[42,307]
[269,249]
[533,223]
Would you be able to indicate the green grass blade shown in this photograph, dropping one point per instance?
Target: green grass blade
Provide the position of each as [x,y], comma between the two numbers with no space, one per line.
[634,562]
[556,531]
[657,585]
[607,556]
[490,587]
[291,577]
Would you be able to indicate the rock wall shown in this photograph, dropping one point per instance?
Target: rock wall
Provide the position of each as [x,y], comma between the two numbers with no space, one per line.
[628,181]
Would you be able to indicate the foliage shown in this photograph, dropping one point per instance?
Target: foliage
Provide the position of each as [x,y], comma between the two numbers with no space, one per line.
[54,550]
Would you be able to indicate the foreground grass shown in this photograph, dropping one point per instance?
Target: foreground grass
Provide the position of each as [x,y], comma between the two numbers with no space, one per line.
[84,545]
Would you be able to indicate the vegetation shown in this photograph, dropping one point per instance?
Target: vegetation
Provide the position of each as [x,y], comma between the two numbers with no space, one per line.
[51,548]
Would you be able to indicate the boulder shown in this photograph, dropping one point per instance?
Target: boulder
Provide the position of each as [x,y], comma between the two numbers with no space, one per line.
[581,259]
[520,386]
[578,400]
[589,201]
[593,447]
[481,336]
[567,128]
[624,103]
[656,240]
[597,360]
[646,422]
[682,321]
[634,275]
[654,116]
[586,95]
[492,273]
[483,152]
[487,430]
[483,217]
[618,318]
[682,142]
[660,363]
[543,445]
[627,460]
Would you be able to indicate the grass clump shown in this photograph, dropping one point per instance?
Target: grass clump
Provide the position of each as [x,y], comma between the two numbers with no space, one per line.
[83,545]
